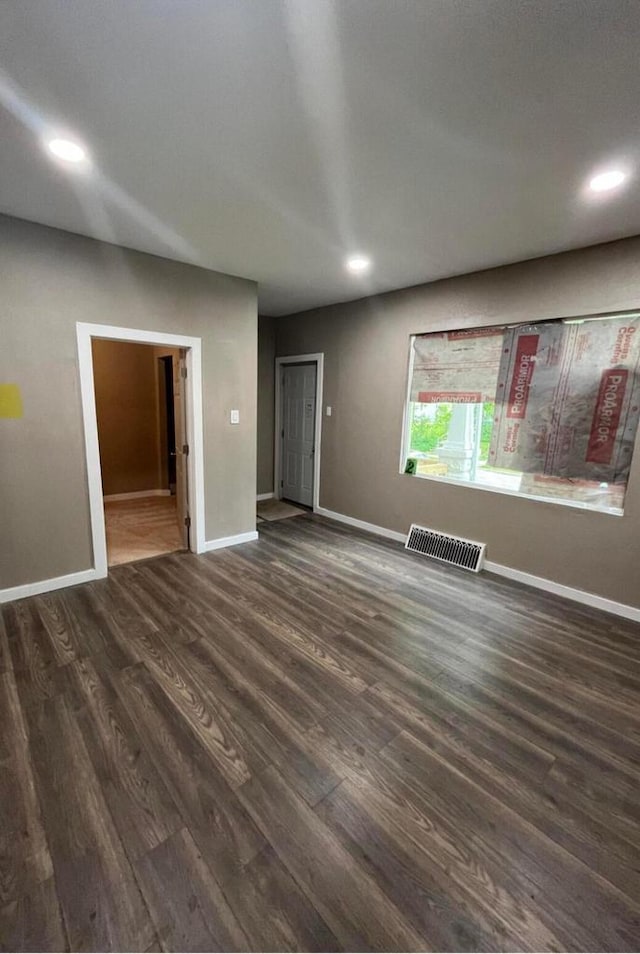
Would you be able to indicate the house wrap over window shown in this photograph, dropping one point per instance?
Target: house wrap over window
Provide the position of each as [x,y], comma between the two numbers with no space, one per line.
[549,409]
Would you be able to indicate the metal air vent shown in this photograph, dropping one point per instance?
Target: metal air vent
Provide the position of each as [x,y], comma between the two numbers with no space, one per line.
[467,554]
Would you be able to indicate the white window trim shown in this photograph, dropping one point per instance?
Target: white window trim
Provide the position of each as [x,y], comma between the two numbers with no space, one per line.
[406,427]
[470,485]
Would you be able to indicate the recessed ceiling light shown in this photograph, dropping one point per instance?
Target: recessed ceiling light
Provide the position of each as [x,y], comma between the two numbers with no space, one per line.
[66,150]
[358,264]
[605,181]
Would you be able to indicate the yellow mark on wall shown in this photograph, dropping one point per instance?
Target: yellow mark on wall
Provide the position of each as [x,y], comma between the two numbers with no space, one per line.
[10,401]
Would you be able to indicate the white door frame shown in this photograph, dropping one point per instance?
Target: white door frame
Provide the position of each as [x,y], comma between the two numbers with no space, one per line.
[318,358]
[85,332]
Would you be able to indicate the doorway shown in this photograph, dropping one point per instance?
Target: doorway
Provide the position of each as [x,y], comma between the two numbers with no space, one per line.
[145,482]
[141,436]
[298,428]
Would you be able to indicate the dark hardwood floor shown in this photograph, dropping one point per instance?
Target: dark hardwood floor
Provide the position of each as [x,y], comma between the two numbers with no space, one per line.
[317,742]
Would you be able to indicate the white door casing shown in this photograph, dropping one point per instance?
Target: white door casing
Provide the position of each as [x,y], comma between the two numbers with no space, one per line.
[195,461]
[180,418]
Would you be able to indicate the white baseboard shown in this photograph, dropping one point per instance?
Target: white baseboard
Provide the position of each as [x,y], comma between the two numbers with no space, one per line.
[265,496]
[45,586]
[539,582]
[568,592]
[550,586]
[362,525]
[222,542]
[86,576]
[138,493]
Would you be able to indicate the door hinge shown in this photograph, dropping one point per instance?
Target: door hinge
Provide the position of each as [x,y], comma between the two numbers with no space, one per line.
[187,522]
[282,483]
[183,371]
[185,450]
[282,432]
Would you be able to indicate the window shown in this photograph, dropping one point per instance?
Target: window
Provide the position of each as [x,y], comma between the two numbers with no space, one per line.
[547,410]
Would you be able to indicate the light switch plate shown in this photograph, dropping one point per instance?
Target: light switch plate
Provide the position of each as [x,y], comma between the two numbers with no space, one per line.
[235,417]
[328,410]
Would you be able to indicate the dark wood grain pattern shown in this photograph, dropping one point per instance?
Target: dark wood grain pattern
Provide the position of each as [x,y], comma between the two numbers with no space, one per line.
[317,742]
[275,913]
[33,922]
[185,899]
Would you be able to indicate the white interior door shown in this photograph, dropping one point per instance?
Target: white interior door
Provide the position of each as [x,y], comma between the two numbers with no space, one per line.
[298,432]
[182,450]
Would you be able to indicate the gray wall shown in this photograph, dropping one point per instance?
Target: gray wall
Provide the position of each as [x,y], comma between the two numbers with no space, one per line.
[366,346]
[50,279]
[266,399]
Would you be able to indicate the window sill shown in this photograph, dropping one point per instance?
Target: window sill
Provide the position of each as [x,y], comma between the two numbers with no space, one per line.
[558,501]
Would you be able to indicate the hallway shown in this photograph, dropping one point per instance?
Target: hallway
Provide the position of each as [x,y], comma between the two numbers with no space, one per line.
[141,528]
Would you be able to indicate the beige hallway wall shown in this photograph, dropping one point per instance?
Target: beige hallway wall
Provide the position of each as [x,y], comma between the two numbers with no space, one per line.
[127,403]
[366,346]
[51,279]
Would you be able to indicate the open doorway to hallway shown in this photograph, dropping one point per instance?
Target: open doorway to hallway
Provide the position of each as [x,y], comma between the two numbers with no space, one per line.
[140,410]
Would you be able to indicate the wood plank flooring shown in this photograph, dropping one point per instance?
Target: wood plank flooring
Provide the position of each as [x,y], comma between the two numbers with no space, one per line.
[317,742]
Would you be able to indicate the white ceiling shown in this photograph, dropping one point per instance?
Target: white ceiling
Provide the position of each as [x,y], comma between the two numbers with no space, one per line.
[270,138]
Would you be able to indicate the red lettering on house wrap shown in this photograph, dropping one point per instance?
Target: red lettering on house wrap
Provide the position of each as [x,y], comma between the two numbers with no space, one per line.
[622,347]
[606,417]
[522,373]
[474,333]
[449,397]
